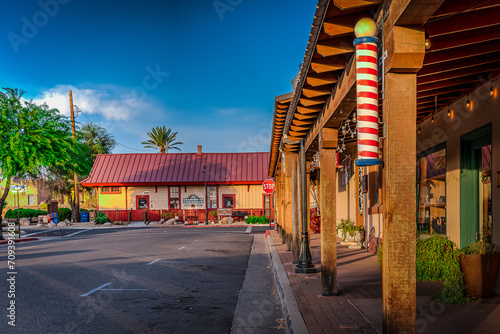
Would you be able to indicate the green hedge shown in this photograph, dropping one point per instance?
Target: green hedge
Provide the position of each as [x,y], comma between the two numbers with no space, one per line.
[257,220]
[24,213]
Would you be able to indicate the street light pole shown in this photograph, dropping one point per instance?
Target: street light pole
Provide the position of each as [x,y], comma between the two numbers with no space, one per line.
[305,265]
[206,197]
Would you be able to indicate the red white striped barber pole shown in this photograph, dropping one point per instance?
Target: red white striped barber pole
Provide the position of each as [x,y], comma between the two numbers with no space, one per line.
[367,92]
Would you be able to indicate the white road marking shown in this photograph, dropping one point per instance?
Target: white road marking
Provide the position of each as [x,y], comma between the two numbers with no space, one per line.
[154,261]
[96,289]
[249,229]
[72,234]
[174,261]
[124,289]
[27,235]
[181,248]
[196,240]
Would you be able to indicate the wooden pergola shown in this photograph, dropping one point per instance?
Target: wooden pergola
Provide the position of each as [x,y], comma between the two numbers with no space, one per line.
[433,53]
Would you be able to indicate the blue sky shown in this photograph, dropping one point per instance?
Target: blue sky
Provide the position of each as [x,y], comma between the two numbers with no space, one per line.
[207,69]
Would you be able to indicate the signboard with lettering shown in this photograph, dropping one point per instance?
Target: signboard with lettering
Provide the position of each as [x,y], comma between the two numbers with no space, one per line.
[224,212]
[192,199]
[16,188]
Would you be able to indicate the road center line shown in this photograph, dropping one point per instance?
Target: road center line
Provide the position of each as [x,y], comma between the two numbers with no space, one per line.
[124,289]
[96,289]
[72,234]
[181,248]
[249,229]
[154,261]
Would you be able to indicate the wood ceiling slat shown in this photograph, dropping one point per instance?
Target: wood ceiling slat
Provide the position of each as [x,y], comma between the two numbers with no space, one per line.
[458,64]
[309,110]
[450,7]
[463,21]
[315,92]
[301,123]
[461,52]
[299,128]
[304,117]
[469,37]
[458,73]
[342,25]
[348,4]
[461,88]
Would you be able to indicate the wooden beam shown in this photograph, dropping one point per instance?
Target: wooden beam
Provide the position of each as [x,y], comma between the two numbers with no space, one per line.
[399,171]
[342,25]
[460,89]
[322,79]
[328,191]
[310,110]
[302,123]
[463,22]
[454,64]
[301,117]
[299,128]
[452,82]
[458,73]
[349,4]
[327,64]
[335,46]
[296,134]
[312,102]
[463,6]
[468,37]
[410,13]
[317,91]
[405,56]
[461,52]
[295,209]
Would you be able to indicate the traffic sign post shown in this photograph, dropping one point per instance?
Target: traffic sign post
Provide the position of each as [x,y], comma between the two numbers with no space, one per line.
[269,186]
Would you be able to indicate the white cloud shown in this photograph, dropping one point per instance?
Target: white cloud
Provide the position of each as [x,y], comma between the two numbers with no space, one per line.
[112,102]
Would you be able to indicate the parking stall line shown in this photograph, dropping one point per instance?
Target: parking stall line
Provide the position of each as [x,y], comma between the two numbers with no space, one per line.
[96,289]
[154,261]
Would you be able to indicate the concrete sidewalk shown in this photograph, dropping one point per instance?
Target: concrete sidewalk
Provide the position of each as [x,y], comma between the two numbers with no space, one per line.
[358,307]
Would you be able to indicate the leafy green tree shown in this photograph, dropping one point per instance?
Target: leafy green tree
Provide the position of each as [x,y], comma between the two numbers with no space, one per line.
[35,141]
[98,139]
[162,139]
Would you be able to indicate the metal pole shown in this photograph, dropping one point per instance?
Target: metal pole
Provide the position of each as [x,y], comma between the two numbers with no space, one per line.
[206,195]
[305,265]
[77,188]
[18,219]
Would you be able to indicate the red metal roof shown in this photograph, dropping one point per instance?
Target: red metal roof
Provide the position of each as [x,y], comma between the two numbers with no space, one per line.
[178,169]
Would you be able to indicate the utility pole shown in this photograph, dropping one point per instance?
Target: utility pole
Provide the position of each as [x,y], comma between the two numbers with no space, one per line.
[77,188]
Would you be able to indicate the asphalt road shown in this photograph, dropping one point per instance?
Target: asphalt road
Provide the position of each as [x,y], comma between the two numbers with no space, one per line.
[146,280]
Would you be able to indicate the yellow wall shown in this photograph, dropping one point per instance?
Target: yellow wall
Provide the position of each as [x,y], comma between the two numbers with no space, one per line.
[30,189]
[158,199]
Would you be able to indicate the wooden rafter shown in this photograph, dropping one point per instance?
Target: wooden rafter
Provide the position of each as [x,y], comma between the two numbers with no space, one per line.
[309,110]
[459,64]
[334,63]
[342,25]
[335,46]
[463,22]
[316,91]
[468,37]
[322,79]
[461,52]
[458,73]
[349,4]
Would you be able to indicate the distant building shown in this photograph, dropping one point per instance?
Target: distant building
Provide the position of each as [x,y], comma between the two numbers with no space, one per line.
[175,182]
[28,193]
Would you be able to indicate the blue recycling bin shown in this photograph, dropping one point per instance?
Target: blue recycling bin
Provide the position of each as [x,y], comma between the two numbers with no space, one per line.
[54,217]
[84,217]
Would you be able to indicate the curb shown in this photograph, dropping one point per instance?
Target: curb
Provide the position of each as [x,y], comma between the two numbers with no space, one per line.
[4,242]
[294,321]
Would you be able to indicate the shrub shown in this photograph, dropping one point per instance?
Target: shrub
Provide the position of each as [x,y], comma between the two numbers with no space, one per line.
[43,206]
[101,218]
[262,220]
[24,213]
[251,220]
[63,213]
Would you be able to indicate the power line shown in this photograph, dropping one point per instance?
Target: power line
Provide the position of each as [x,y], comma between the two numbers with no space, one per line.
[130,148]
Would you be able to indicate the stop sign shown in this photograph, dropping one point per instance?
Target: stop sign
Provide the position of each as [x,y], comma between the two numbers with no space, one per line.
[268,186]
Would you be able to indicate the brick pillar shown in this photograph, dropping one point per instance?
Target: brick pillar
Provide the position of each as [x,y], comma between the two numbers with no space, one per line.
[406,53]
[327,196]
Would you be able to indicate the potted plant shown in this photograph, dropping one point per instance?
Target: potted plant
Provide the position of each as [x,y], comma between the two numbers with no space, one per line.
[479,264]
[350,232]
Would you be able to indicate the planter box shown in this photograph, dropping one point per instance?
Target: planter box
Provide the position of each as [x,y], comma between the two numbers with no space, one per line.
[480,273]
[357,238]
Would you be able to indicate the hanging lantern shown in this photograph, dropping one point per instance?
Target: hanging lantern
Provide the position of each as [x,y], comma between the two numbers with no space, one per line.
[367,92]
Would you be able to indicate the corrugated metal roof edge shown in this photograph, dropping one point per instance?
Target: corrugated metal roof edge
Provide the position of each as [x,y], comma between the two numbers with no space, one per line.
[118,184]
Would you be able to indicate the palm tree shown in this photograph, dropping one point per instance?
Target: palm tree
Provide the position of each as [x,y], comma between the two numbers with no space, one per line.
[162,138]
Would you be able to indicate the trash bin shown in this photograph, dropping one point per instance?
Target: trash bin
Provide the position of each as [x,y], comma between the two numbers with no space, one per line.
[84,217]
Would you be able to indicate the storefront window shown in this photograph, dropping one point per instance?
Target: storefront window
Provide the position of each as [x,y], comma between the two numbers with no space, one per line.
[174,197]
[212,197]
[431,192]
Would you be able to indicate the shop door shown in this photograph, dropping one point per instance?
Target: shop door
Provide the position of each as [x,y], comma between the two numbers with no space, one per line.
[228,201]
[476,220]
[142,202]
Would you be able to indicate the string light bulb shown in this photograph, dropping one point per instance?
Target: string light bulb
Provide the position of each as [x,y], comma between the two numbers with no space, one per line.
[418,131]
[449,112]
[491,88]
[468,102]
[432,118]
